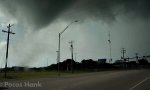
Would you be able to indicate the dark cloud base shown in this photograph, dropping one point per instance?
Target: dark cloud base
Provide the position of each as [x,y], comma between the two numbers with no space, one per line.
[40,13]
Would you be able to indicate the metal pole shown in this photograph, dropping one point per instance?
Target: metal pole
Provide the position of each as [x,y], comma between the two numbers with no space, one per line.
[59,54]
[72,56]
[110,53]
[59,45]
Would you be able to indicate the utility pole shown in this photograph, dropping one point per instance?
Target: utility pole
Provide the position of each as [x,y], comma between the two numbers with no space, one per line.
[8,33]
[58,62]
[123,51]
[71,45]
[137,57]
[109,41]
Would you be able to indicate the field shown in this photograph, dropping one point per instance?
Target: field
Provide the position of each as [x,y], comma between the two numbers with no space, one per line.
[33,75]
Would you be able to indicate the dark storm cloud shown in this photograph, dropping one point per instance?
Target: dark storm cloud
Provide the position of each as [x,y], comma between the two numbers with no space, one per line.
[36,12]
[108,10]
[40,13]
[139,8]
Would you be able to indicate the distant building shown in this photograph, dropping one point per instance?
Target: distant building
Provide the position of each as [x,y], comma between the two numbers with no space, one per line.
[101,61]
[119,61]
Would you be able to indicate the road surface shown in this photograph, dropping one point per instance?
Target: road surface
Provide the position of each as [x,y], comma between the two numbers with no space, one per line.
[107,80]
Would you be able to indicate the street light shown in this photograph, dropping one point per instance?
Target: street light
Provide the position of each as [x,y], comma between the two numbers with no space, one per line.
[59,43]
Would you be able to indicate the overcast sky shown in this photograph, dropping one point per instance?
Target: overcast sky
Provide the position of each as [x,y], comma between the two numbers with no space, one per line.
[38,22]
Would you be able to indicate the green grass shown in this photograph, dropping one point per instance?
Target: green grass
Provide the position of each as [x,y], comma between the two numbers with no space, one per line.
[33,75]
[41,74]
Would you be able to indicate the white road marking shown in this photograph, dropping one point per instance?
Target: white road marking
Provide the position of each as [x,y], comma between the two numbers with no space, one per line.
[139,83]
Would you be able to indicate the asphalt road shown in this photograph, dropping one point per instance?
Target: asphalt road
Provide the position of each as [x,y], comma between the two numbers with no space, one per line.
[108,80]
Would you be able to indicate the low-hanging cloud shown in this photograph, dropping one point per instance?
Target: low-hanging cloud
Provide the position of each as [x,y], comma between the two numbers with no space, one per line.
[36,13]
[40,13]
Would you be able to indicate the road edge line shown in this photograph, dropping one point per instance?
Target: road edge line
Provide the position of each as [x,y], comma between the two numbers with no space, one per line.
[139,83]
